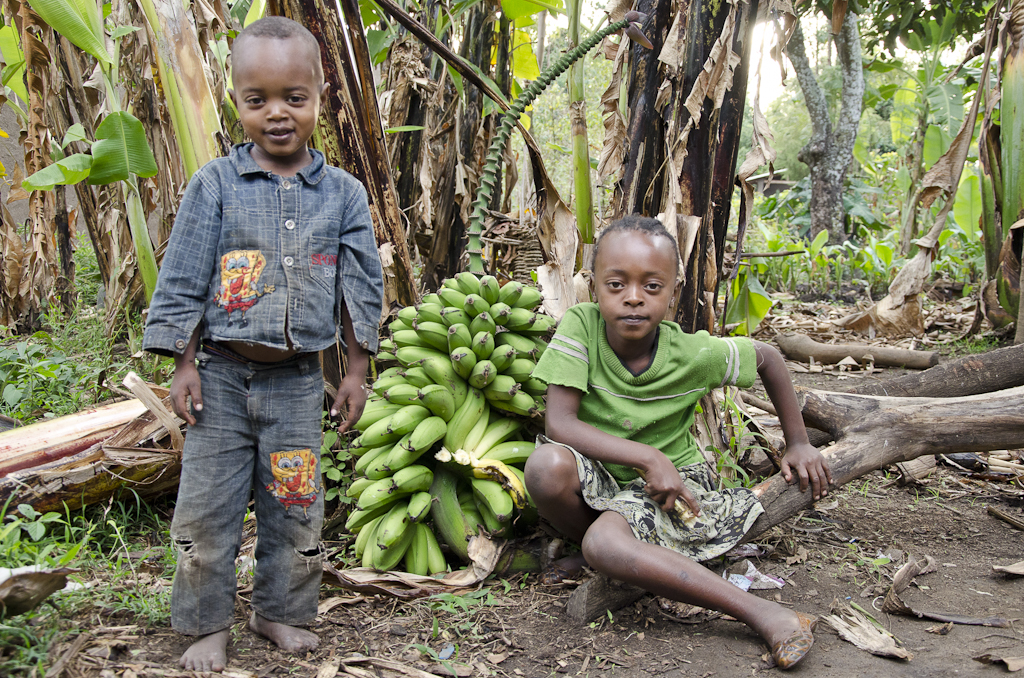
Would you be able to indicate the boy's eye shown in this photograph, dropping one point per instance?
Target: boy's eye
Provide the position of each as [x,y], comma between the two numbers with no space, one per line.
[254,101]
[296,99]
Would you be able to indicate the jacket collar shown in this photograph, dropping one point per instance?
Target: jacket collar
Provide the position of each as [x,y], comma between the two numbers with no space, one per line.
[244,164]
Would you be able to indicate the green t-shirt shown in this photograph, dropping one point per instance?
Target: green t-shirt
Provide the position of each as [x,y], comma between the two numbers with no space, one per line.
[655,407]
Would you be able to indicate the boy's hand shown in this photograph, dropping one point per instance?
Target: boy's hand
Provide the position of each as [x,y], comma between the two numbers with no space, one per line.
[186,383]
[810,466]
[665,485]
[351,398]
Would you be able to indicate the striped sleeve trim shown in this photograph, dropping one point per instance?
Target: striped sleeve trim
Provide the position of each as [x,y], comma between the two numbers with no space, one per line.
[732,364]
[649,399]
[568,351]
[571,342]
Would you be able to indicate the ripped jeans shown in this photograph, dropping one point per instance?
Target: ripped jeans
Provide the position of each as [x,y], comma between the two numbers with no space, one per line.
[258,434]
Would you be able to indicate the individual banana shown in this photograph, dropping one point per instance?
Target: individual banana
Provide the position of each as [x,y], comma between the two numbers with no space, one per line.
[359,520]
[435,334]
[494,527]
[441,371]
[505,477]
[496,432]
[490,290]
[530,298]
[408,451]
[410,338]
[407,419]
[520,369]
[370,458]
[520,318]
[384,356]
[500,313]
[450,283]
[522,479]
[385,383]
[439,400]
[385,559]
[374,412]
[452,297]
[510,452]
[417,556]
[415,478]
[399,325]
[365,533]
[502,387]
[386,345]
[525,348]
[432,299]
[483,345]
[449,520]
[464,420]
[482,375]
[459,336]
[381,493]
[407,315]
[468,283]
[482,323]
[380,469]
[435,557]
[416,376]
[535,387]
[541,325]
[414,355]
[463,360]
[494,495]
[419,507]
[428,313]
[502,357]
[510,292]
[454,315]
[541,345]
[357,487]
[477,432]
[402,394]
[394,524]
[377,434]
[391,371]
[474,305]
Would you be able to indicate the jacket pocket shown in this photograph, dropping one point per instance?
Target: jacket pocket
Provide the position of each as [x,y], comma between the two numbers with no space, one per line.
[323,262]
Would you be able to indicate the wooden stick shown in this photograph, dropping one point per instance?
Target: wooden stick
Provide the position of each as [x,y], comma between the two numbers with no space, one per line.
[803,348]
[993,511]
[751,255]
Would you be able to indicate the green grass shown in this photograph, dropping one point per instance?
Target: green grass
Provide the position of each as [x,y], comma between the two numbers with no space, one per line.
[122,549]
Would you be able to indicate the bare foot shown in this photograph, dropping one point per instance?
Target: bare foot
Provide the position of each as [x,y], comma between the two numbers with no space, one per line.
[564,568]
[788,635]
[288,638]
[209,653]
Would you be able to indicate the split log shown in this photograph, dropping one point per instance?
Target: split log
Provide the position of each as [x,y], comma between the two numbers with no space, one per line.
[53,439]
[872,432]
[801,347]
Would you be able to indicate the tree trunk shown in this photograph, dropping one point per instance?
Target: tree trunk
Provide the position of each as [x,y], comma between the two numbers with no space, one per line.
[829,151]
[803,348]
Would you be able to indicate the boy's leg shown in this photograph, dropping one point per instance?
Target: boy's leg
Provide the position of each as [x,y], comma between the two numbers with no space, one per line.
[612,549]
[216,480]
[289,505]
[554,485]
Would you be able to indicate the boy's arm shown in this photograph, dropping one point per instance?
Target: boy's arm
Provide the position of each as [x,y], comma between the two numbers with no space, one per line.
[664,484]
[800,455]
[352,390]
[185,382]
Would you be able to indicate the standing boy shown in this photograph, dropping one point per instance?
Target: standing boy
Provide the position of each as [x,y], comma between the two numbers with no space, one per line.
[272,251]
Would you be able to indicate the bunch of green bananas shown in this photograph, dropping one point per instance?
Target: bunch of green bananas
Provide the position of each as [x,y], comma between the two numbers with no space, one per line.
[466,355]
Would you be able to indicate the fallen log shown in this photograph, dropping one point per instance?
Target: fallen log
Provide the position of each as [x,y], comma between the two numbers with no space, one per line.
[995,370]
[53,439]
[872,432]
[803,348]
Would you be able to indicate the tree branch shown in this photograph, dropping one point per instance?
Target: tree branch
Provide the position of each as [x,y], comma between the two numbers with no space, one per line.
[814,97]
[849,52]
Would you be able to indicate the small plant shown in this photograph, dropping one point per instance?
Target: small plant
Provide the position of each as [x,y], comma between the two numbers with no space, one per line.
[334,466]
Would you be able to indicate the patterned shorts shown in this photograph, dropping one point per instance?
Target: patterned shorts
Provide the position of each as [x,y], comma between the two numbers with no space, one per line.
[725,515]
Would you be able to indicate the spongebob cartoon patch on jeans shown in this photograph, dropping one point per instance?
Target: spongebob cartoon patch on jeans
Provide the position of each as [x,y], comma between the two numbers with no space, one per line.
[294,478]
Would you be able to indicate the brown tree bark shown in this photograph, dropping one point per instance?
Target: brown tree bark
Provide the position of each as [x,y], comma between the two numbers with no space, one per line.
[803,348]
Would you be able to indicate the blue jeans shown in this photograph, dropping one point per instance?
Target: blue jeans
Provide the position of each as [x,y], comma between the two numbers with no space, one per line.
[259,434]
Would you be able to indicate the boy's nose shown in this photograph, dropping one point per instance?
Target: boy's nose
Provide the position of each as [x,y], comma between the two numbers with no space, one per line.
[633,295]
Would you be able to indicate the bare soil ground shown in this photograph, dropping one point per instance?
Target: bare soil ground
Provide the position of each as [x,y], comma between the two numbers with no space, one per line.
[846,549]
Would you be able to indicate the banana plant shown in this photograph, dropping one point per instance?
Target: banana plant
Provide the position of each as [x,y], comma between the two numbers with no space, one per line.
[488,177]
[120,152]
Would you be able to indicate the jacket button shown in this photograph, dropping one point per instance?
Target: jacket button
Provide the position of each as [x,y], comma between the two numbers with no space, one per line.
[288,261]
[286,185]
[290,224]
[180,344]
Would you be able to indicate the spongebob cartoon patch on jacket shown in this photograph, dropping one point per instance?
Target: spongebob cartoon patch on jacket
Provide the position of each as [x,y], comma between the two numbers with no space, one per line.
[295,476]
[240,272]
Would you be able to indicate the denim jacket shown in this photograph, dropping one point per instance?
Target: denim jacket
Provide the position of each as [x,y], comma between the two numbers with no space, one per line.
[252,251]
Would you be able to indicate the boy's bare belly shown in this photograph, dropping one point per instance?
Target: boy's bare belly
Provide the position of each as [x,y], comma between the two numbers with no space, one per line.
[260,353]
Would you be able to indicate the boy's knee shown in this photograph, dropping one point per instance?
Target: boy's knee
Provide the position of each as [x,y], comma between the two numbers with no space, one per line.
[550,466]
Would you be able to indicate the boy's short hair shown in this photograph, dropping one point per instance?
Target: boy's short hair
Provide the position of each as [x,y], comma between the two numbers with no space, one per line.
[280,28]
[638,223]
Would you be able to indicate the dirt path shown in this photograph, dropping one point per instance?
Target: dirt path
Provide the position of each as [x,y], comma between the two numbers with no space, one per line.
[518,628]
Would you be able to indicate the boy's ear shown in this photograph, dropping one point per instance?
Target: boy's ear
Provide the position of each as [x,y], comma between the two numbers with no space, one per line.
[324,89]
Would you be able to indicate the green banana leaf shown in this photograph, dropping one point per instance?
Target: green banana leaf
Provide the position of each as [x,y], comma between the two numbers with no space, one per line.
[748,303]
[120,150]
[77,20]
[69,170]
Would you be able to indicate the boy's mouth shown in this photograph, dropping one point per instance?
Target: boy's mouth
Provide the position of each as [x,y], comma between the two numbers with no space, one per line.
[278,133]
[633,319]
